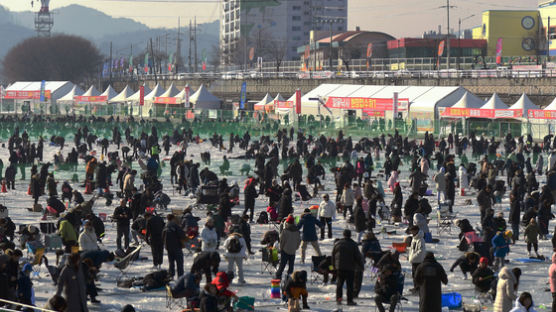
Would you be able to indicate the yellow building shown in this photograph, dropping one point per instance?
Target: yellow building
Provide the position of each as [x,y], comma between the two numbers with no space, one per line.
[548,16]
[521,32]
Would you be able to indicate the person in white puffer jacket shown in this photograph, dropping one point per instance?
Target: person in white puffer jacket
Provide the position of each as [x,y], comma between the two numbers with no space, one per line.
[236,247]
[88,238]
[417,250]
[327,212]
[209,237]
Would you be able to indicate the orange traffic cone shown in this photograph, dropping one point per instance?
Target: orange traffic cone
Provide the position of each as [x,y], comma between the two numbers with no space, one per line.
[88,189]
[29,190]
[462,192]
[4,190]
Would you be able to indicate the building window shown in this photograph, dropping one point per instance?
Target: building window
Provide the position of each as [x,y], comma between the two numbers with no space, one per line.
[296,18]
[296,28]
[296,8]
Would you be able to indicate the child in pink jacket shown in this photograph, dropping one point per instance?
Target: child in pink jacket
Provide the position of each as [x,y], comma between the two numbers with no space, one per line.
[552,280]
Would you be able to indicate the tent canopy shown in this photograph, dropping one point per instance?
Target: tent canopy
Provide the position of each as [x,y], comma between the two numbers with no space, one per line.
[156,92]
[468,100]
[495,103]
[92,91]
[122,96]
[68,98]
[551,106]
[110,93]
[135,97]
[524,104]
[170,92]
[203,99]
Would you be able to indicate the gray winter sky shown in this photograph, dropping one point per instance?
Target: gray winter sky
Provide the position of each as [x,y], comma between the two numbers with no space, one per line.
[396,17]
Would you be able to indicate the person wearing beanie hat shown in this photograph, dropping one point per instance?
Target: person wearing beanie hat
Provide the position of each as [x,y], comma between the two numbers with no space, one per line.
[24,285]
[309,223]
[290,240]
[346,259]
[501,245]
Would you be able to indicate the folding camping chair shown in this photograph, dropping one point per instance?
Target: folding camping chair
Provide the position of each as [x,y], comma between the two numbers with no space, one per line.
[315,261]
[123,263]
[53,242]
[445,218]
[269,260]
[174,303]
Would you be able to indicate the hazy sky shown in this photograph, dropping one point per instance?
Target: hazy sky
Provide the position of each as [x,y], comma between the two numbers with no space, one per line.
[396,17]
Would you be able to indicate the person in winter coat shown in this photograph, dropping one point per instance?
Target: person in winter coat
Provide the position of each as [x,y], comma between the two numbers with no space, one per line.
[524,303]
[72,282]
[206,262]
[552,280]
[24,285]
[173,237]
[327,212]
[506,289]
[250,193]
[484,199]
[370,248]
[209,237]
[393,179]
[51,185]
[346,259]
[154,227]
[467,263]
[501,244]
[531,234]
[440,180]
[515,216]
[309,223]
[208,300]
[483,277]
[296,288]
[417,250]
[396,206]
[421,221]
[235,253]
[290,240]
[122,215]
[347,199]
[359,219]
[68,234]
[410,207]
[386,289]
[428,278]
[285,203]
[88,238]
[187,286]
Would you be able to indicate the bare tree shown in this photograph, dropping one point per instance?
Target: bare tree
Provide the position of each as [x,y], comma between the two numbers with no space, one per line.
[350,52]
[274,49]
[214,59]
[61,57]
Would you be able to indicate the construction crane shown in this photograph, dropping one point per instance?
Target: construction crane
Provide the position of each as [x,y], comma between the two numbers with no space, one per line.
[44,20]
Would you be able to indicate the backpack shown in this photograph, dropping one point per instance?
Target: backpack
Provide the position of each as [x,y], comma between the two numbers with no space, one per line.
[425,206]
[155,280]
[234,246]
[263,218]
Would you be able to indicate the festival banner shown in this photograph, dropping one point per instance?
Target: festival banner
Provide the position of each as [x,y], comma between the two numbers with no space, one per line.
[365,103]
[481,113]
[186,103]
[146,63]
[142,95]
[374,113]
[499,51]
[91,99]
[243,95]
[41,96]
[26,95]
[541,114]
[298,101]
[283,104]
[165,100]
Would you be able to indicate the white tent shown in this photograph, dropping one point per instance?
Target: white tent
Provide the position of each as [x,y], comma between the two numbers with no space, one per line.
[135,97]
[170,92]
[69,97]
[92,91]
[468,100]
[551,106]
[110,93]
[524,104]
[495,103]
[203,99]
[261,104]
[122,96]
[156,92]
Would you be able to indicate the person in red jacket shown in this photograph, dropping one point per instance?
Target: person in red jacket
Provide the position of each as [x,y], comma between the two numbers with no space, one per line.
[222,281]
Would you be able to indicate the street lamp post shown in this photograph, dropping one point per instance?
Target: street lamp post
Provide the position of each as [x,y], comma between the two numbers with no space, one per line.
[459,36]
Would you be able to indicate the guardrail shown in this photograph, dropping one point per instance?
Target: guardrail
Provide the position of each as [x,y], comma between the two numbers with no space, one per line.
[413,74]
[21,305]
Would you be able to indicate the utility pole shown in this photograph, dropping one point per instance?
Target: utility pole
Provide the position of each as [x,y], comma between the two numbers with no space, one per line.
[448,7]
[195,42]
[154,63]
[110,66]
[190,45]
[178,49]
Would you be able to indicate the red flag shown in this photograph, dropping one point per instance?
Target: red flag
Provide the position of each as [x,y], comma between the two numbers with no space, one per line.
[204,66]
[441,48]
[298,101]
[141,95]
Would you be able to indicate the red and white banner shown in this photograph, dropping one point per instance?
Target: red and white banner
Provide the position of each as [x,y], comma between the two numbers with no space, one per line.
[481,113]
[165,100]
[369,104]
[141,95]
[283,104]
[541,114]
[298,101]
[91,99]
[373,113]
[26,95]
[186,100]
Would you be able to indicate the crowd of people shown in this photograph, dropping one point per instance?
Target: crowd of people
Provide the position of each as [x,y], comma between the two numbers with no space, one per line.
[358,197]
